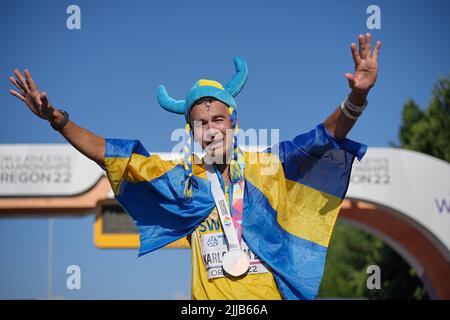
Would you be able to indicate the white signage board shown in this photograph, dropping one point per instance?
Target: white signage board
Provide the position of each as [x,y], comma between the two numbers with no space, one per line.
[409,182]
[33,170]
[45,170]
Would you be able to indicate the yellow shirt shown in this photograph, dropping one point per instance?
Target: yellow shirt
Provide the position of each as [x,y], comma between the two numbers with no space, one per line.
[251,286]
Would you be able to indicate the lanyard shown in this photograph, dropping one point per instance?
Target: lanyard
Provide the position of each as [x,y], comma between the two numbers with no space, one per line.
[235,202]
[230,189]
[222,208]
[235,262]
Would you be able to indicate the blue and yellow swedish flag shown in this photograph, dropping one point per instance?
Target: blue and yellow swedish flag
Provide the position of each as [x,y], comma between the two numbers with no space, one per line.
[293,194]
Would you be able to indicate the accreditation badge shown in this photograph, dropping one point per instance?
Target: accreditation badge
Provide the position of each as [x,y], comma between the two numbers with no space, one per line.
[214,248]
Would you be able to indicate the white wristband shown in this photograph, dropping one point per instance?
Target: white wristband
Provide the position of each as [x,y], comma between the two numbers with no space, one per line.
[345,111]
[354,107]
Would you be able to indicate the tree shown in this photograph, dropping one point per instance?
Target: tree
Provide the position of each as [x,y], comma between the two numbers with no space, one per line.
[429,131]
[351,251]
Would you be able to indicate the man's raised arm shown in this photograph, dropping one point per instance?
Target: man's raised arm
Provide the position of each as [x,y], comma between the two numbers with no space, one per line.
[344,117]
[88,143]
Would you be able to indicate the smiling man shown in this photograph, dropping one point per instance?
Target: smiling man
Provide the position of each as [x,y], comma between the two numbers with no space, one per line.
[254,233]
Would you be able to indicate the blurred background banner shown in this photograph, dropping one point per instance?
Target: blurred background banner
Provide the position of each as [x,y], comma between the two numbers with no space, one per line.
[63,237]
[45,170]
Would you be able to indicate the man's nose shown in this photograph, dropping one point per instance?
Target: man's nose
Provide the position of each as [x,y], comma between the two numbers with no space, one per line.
[211,132]
[210,126]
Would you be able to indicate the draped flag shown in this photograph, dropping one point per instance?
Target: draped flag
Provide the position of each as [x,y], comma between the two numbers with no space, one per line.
[293,194]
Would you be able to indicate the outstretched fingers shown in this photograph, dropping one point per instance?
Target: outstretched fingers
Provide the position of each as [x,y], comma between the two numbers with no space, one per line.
[18,85]
[364,52]
[362,46]
[355,54]
[29,80]
[368,44]
[21,80]
[376,50]
[18,95]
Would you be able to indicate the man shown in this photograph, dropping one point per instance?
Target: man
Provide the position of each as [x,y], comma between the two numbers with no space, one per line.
[255,233]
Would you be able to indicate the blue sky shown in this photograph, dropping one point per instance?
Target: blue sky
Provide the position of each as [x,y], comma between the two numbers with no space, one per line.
[106,74]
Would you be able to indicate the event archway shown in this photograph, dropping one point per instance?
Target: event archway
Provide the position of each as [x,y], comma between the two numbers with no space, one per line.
[413,243]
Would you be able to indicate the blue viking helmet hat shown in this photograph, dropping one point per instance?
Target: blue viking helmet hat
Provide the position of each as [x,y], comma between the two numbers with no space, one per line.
[207,88]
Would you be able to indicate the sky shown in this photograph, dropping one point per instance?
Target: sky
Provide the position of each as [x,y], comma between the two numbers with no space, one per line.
[106,74]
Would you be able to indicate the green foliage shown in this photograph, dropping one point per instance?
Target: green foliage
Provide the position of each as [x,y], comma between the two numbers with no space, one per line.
[352,250]
[429,131]
[398,279]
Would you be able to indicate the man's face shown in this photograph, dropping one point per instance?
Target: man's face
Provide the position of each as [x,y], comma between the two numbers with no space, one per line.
[212,128]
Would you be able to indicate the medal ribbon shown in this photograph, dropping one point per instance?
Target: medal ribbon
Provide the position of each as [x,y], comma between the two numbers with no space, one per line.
[222,209]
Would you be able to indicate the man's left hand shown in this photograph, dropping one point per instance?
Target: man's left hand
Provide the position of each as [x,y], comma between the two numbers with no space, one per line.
[366,66]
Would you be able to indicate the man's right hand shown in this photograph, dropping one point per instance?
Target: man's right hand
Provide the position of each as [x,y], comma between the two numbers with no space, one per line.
[88,143]
[29,93]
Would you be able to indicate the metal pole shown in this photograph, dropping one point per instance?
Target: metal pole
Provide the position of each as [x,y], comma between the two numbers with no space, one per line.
[50,258]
